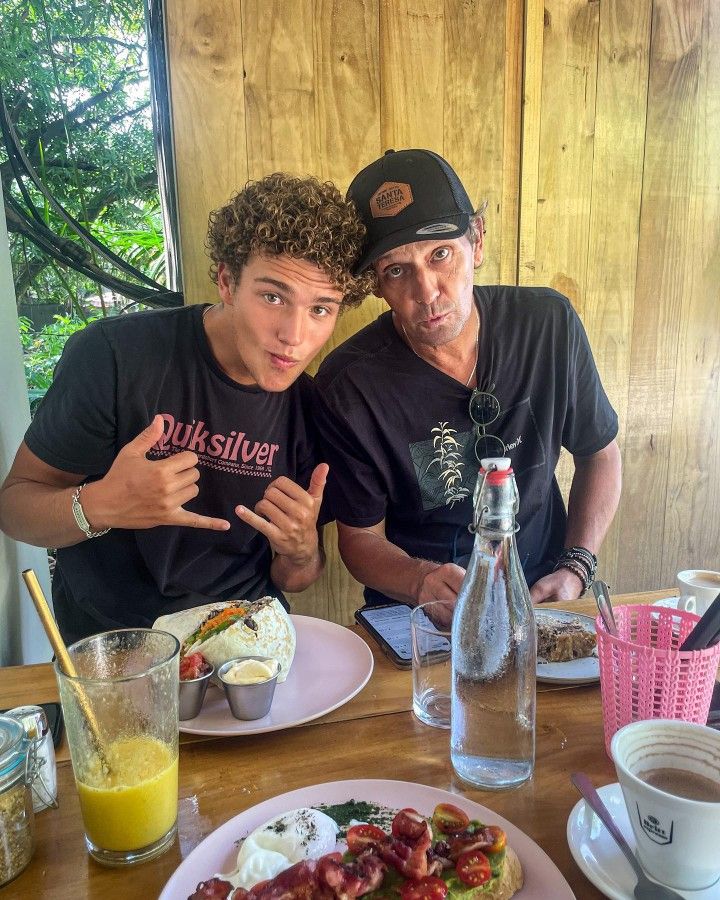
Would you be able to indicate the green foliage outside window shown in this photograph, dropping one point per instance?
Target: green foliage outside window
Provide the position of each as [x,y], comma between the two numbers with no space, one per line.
[74,78]
[75,81]
[42,349]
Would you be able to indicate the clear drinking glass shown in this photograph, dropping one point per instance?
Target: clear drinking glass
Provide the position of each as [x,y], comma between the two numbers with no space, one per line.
[121,717]
[431,665]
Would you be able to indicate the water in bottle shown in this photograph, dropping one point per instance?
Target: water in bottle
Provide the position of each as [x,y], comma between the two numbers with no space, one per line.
[494,646]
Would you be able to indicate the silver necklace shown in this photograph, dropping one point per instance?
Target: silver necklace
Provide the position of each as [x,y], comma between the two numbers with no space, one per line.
[477,347]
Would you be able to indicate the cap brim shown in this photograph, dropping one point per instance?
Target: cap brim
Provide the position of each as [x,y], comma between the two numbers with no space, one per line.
[410,235]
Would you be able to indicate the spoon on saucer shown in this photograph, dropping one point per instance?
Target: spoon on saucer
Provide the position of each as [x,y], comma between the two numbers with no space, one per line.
[644,889]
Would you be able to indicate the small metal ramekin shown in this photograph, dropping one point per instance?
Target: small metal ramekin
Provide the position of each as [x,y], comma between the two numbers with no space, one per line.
[249,701]
[192,695]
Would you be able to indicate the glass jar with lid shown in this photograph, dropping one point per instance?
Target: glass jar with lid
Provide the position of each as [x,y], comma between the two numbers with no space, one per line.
[16,805]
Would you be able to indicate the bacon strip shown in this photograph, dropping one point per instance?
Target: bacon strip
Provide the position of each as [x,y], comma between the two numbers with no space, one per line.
[327,878]
[407,851]
[350,880]
[214,889]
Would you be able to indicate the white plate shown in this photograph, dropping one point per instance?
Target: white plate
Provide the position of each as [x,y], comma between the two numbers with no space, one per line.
[600,858]
[331,666]
[575,671]
[667,602]
[218,852]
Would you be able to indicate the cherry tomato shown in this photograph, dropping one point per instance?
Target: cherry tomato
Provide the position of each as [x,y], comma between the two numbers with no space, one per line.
[497,835]
[360,837]
[473,868]
[429,888]
[449,819]
[408,823]
[193,666]
[461,843]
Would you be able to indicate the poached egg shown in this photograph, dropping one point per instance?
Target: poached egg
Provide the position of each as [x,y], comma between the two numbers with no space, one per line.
[280,843]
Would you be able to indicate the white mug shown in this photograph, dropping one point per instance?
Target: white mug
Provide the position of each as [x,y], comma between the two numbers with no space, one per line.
[678,839]
[700,584]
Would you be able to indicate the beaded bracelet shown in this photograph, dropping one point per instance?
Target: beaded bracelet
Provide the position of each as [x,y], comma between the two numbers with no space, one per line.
[582,555]
[577,570]
[579,560]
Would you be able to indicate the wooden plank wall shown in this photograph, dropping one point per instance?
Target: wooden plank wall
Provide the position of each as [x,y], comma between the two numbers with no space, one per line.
[592,128]
[622,217]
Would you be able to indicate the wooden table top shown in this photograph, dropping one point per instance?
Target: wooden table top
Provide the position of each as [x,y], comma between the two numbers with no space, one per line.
[375,735]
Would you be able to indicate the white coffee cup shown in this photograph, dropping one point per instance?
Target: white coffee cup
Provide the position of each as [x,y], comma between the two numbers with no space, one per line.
[678,839]
[702,584]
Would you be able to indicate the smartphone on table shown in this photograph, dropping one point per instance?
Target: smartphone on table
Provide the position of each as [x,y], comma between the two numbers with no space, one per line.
[389,624]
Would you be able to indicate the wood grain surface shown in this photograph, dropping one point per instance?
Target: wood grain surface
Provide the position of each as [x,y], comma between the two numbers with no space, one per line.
[347,73]
[412,41]
[209,124]
[280,86]
[373,736]
[665,282]
[617,172]
[532,73]
[225,777]
[509,219]
[692,526]
[475,58]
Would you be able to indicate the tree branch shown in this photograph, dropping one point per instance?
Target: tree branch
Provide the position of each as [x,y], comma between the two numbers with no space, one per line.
[57,126]
[24,280]
[118,117]
[97,39]
[112,195]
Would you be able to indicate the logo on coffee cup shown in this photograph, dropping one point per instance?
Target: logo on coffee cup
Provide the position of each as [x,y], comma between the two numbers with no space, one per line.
[654,829]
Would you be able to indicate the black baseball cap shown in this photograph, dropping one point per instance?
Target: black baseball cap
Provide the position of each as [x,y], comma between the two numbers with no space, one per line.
[407,196]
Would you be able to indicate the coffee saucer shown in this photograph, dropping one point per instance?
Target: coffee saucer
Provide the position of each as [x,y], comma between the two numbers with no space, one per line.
[600,858]
[667,602]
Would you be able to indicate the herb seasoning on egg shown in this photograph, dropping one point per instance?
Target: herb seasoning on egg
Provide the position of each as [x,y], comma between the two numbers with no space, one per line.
[305,821]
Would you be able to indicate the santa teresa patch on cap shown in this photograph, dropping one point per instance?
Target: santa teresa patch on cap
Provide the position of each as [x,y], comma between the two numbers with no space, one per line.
[389,199]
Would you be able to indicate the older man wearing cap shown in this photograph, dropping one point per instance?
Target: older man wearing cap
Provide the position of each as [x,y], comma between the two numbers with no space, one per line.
[453,373]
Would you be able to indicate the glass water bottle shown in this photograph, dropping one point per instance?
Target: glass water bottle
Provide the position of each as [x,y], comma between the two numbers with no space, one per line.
[494,650]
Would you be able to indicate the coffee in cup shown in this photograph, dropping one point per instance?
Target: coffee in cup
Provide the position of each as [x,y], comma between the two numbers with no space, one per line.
[702,584]
[662,766]
[682,783]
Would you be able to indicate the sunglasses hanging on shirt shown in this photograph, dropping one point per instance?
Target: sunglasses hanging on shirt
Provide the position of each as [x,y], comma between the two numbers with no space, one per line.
[484,410]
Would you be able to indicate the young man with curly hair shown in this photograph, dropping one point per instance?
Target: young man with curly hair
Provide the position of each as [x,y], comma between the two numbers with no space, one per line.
[172,462]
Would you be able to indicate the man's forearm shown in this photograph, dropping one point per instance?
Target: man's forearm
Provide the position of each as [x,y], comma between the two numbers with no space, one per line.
[294,576]
[39,514]
[379,564]
[594,498]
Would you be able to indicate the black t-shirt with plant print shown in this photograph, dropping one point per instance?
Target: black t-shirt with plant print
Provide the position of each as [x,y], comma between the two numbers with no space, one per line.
[112,378]
[400,442]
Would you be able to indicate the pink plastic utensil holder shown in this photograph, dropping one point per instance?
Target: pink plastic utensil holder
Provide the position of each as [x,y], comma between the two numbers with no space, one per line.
[643,674]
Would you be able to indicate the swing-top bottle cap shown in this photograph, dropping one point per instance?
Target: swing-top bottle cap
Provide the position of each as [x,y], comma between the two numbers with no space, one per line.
[495,469]
[501,463]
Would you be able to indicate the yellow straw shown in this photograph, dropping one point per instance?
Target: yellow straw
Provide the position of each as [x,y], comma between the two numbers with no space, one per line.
[66,663]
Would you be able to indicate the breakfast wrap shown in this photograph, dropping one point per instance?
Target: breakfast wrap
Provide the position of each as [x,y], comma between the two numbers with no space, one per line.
[226,630]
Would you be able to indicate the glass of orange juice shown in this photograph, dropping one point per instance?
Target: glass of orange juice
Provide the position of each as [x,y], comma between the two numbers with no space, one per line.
[121,716]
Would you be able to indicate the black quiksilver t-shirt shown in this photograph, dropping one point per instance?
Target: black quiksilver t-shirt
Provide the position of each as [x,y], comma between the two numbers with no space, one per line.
[400,442]
[112,378]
